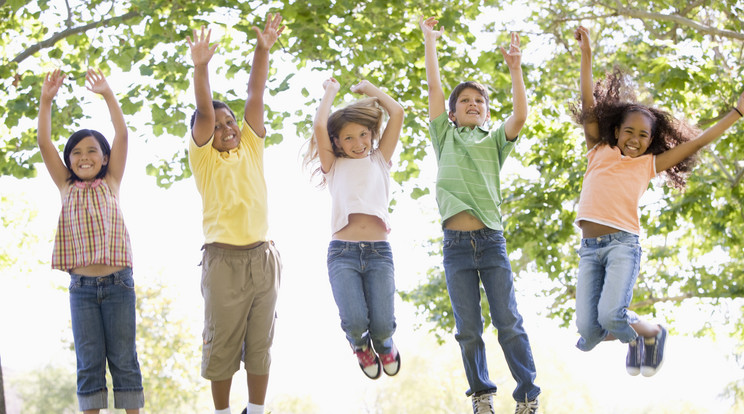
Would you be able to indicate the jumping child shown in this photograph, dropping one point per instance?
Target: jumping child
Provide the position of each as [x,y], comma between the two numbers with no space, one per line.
[360,261]
[240,267]
[470,158]
[628,144]
[92,245]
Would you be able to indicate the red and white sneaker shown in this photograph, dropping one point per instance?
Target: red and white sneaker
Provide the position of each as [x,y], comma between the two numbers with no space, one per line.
[391,361]
[368,362]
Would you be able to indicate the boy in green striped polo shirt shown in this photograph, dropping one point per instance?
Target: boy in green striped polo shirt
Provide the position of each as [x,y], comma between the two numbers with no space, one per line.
[470,158]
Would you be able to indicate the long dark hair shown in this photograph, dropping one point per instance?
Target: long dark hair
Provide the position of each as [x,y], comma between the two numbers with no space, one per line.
[72,143]
[615,99]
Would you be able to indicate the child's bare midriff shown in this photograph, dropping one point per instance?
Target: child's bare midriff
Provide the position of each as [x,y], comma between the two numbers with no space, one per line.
[362,227]
[591,229]
[96,270]
[463,221]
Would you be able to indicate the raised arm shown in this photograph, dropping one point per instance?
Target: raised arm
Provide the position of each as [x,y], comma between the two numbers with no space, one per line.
[674,156]
[513,59]
[49,153]
[391,134]
[254,107]
[320,125]
[96,83]
[591,129]
[436,93]
[201,54]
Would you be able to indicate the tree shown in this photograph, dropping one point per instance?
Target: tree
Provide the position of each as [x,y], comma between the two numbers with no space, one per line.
[685,58]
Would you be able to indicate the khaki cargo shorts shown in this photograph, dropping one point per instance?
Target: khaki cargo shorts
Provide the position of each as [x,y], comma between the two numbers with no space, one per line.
[240,289]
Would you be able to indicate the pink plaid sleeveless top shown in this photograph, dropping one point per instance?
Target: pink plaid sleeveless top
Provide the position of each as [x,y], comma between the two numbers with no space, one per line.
[91,229]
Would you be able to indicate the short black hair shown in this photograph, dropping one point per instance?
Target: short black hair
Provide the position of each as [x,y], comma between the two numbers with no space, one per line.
[215,105]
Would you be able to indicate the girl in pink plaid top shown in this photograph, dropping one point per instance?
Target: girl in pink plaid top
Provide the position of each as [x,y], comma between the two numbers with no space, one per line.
[92,245]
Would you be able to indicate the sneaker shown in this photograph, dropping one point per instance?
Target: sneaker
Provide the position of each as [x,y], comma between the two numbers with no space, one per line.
[654,354]
[368,362]
[391,361]
[526,407]
[635,356]
[483,404]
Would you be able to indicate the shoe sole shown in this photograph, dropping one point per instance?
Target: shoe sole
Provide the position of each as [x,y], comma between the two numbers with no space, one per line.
[650,371]
[397,359]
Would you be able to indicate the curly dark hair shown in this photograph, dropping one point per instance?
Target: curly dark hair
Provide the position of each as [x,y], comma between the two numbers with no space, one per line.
[614,99]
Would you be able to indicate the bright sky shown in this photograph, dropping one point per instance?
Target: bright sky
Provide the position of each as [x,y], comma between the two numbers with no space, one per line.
[311,356]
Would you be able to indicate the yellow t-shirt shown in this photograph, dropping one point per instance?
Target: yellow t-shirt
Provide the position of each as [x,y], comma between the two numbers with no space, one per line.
[233,189]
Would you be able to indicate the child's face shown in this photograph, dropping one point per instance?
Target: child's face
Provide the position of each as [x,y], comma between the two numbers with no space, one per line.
[634,134]
[471,109]
[87,159]
[226,131]
[355,140]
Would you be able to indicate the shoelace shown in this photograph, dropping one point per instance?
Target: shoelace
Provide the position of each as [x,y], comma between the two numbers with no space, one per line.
[482,404]
[388,358]
[366,356]
[526,407]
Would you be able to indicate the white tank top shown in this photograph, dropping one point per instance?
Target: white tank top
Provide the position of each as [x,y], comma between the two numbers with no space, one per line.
[359,186]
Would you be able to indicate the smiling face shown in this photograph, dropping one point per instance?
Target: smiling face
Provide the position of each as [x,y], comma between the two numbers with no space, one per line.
[87,159]
[634,134]
[226,131]
[355,140]
[471,109]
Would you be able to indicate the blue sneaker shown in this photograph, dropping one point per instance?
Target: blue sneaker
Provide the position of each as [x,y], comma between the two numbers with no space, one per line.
[654,354]
[635,356]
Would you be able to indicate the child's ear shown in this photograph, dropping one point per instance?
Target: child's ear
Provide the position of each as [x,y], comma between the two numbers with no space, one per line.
[452,118]
[105,159]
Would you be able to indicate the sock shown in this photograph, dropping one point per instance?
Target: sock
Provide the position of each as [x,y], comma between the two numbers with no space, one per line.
[223,411]
[255,409]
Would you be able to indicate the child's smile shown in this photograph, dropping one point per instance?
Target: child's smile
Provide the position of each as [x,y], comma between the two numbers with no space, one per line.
[87,159]
[355,140]
[634,134]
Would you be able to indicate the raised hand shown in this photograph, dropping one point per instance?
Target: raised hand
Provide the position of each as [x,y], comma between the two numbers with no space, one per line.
[96,82]
[364,87]
[512,57]
[201,51]
[331,85]
[428,27]
[52,81]
[582,36]
[271,32]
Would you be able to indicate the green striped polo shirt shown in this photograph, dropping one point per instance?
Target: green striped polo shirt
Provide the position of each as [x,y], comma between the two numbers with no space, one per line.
[470,161]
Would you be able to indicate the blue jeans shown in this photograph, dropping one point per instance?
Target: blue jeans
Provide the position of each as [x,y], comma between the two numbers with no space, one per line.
[477,256]
[103,326]
[362,278]
[608,268]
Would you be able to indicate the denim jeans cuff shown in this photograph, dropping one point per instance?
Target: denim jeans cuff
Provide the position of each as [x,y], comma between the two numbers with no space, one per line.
[129,400]
[93,401]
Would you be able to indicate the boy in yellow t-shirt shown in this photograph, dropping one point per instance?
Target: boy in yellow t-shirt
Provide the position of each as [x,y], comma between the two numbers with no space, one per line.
[240,268]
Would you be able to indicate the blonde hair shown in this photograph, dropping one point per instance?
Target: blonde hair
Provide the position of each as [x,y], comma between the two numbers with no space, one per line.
[365,112]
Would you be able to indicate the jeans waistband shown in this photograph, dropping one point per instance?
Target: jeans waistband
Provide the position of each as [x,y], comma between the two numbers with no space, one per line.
[101,280]
[342,244]
[479,234]
[623,236]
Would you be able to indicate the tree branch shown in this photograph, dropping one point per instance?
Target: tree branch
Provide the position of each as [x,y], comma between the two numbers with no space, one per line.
[649,302]
[69,32]
[683,21]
